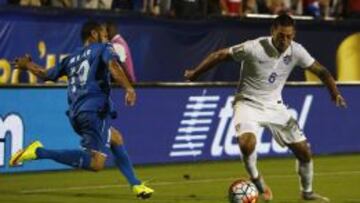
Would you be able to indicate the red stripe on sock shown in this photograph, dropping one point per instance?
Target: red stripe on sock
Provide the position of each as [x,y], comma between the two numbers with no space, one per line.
[17,158]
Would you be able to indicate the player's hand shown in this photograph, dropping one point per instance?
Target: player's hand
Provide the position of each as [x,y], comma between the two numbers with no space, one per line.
[130,97]
[21,62]
[340,101]
[190,75]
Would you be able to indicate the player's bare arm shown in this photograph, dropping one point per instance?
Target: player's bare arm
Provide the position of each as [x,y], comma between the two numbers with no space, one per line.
[329,81]
[120,77]
[209,62]
[25,63]
[126,72]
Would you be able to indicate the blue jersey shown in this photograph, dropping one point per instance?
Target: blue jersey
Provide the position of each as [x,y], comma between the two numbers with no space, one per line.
[88,78]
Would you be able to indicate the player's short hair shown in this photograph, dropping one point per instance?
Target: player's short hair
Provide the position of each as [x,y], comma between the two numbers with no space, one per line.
[87,28]
[110,24]
[283,20]
[111,28]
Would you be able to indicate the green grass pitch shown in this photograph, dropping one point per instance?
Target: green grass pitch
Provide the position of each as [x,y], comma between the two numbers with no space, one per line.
[337,177]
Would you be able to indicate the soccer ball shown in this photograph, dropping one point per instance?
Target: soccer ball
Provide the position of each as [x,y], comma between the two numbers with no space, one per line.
[243,191]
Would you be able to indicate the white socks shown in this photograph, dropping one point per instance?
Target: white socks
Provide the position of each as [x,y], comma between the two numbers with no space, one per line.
[250,165]
[306,173]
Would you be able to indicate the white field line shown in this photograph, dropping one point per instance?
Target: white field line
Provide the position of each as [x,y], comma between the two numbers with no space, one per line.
[45,190]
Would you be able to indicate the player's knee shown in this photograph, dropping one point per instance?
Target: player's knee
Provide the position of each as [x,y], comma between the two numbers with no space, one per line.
[302,151]
[247,143]
[116,137]
[97,161]
[97,167]
[305,157]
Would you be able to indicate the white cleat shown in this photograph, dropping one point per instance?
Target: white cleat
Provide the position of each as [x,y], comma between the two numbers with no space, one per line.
[311,196]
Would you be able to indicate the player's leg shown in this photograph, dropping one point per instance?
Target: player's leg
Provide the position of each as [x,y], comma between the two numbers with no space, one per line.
[246,136]
[124,164]
[121,157]
[246,128]
[305,169]
[91,158]
[247,144]
[92,129]
[292,136]
[304,164]
[85,159]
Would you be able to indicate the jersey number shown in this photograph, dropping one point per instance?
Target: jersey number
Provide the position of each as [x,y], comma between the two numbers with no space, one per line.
[79,75]
[272,77]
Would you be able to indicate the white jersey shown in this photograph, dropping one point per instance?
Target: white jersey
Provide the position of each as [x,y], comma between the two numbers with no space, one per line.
[264,71]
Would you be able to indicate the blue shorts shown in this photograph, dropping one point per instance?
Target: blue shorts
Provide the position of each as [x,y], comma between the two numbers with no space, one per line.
[93,130]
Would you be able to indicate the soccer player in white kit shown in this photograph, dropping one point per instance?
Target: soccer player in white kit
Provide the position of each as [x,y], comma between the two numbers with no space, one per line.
[266,63]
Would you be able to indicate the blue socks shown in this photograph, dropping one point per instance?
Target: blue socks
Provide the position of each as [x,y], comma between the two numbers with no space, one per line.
[74,158]
[82,159]
[124,164]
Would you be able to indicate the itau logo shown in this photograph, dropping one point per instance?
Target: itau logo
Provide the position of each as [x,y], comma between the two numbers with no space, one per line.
[205,118]
[195,126]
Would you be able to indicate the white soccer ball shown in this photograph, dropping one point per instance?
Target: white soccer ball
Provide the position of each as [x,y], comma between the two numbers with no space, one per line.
[243,191]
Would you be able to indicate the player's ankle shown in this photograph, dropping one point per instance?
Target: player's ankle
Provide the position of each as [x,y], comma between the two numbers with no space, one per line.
[259,183]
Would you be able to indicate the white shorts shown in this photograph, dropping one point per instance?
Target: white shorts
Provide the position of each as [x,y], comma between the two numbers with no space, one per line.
[251,117]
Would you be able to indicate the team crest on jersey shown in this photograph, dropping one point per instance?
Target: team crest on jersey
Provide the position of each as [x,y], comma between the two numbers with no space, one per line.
[287,59]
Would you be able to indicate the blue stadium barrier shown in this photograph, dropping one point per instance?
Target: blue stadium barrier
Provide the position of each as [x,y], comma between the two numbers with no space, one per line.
[174,123]
[162,48]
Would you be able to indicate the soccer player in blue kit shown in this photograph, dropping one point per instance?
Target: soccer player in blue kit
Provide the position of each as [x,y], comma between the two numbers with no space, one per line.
[89,70]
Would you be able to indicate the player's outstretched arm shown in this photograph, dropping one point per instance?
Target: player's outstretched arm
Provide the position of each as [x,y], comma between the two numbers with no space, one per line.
[329,81]
[126,72]
[210,61]
[120,77]
[26,63]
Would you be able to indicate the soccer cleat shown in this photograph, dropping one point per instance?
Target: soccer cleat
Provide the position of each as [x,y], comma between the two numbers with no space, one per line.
[29,153]
[142,191]
[264,190]
[267,195]
[310,196]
